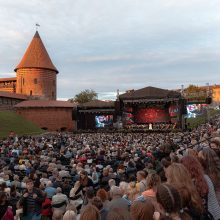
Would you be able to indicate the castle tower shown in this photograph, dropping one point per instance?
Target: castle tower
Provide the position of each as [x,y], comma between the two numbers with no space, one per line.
[36,74]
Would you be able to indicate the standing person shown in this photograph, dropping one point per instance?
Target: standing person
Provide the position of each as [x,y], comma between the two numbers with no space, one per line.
[32,201]
[204,187]
[84,182]
[211,161]
[170,203]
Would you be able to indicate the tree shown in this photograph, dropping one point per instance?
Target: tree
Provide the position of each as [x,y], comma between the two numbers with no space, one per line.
[85,96]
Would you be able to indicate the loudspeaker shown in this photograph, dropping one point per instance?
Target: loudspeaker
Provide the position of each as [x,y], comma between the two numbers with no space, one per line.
[208,100]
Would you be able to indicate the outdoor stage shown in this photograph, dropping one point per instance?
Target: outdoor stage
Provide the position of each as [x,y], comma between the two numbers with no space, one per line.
[145,110]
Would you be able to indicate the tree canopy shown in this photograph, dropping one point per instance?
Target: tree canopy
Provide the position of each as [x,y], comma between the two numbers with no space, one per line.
[84,96]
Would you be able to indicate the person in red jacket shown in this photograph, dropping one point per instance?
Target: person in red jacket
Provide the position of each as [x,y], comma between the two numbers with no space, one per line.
[46,211]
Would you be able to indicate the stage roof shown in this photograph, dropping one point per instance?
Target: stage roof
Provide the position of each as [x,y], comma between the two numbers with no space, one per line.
[97,104]
[150,93]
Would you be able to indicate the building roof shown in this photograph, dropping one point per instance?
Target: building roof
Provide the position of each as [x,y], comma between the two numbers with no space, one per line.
[98,104]
[150,93]
[36,56]
[12,95]
[45,103]
[8,79]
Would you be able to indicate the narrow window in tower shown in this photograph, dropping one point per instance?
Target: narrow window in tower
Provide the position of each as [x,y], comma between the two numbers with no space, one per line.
[52,94]
[30,92]
[23,81]
[35,81]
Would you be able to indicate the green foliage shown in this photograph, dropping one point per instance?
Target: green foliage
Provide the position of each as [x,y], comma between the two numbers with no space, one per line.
[195,122]
[85,96]
[10,121]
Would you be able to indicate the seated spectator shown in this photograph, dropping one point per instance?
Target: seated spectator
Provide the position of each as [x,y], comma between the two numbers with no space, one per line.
[59,201]
[117,200]
[50,190]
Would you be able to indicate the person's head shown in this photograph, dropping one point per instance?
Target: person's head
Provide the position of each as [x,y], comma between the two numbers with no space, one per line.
[83,174]
[132,191]
[142,210]
[90,193]
[90,212]
[178,176]
[141,175]
[69,215]
[102,194]
[197,174]
[29,185]
[111,183]
[115,192]
[170,202]
[3,198]
[57,214]
[49,184]
[97,202]
[211,160]
[58,190]
[16,177]
[153,180]
[123,186]
[118,214]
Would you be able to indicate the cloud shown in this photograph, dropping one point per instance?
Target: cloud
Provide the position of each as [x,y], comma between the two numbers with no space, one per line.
[109,45]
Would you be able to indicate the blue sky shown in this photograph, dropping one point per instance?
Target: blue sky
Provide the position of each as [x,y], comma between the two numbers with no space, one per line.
[107,45]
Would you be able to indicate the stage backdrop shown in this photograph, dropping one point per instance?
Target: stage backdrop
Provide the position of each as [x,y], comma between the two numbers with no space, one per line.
[152,115]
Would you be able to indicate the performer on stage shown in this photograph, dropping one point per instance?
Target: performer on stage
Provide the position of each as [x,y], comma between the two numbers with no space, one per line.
[150,126]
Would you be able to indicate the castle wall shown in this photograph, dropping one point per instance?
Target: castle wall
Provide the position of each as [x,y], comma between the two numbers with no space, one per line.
[51,119]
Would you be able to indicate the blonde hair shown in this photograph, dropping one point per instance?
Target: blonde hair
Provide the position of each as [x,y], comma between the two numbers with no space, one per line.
[90,212]
[69,215]
[132,191]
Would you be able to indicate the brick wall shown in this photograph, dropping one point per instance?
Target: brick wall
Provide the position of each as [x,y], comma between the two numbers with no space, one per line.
[51,118]
[37,82]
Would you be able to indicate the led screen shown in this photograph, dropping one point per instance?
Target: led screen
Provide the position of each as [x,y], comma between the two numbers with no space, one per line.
[102,121]
[195,110]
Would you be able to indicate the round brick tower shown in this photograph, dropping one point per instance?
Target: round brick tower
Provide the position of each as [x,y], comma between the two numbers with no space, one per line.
[36,74]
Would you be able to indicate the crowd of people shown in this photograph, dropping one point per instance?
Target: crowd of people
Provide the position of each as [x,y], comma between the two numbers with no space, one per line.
[126,176]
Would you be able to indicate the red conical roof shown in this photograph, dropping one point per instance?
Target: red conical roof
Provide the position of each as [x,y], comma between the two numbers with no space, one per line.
[36,56]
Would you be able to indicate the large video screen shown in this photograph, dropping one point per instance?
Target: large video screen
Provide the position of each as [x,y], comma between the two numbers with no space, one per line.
[196,110]
[102,121]
[152,115]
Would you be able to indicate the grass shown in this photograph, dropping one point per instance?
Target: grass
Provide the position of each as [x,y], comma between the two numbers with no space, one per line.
[195,122]
[10,121]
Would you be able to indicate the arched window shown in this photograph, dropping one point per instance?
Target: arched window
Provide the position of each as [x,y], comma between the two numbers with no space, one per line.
[23,81]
